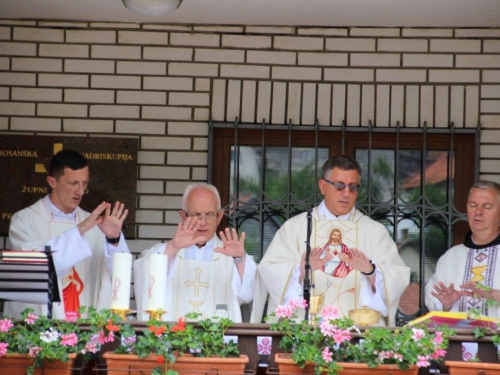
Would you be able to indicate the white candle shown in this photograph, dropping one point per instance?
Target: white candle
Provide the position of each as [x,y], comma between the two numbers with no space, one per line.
[120,284]
[157,282]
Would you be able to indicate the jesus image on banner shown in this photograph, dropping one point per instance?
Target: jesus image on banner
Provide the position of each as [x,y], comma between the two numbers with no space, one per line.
[334,246]
[335,283]
[72,288]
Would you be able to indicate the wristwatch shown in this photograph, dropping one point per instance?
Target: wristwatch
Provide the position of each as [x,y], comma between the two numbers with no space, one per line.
[239,259]
[112,241]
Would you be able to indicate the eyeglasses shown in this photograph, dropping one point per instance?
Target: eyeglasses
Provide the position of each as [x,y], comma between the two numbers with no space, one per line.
[340,186]
[208,216]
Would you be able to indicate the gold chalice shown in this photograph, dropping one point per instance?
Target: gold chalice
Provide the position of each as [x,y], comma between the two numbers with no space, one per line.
[315,305]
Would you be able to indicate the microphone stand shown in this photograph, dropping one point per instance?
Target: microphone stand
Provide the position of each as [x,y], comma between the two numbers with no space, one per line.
[307,278]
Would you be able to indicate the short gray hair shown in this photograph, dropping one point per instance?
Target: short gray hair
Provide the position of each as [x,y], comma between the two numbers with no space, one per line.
[202,186]
[486,184]
[344,162]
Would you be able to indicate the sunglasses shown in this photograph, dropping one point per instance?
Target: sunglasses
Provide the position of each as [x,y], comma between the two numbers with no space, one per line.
[340,186]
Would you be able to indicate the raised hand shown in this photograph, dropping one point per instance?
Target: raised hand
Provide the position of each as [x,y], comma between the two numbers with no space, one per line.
[232,246]
[446,295]
[357,260]
[315,260]
[185,236]
[93,219]
[112,221]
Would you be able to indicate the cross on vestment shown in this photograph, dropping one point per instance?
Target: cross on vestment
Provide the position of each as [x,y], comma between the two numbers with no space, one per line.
[196,301]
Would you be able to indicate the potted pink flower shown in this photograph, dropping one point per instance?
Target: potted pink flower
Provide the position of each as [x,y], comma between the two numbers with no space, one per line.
[36,341]
[326,345]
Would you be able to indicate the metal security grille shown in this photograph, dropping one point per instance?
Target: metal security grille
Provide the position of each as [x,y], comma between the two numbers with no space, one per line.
[412,181]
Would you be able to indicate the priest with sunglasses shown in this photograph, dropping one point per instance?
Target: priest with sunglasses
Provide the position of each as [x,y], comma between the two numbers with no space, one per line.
[376,276]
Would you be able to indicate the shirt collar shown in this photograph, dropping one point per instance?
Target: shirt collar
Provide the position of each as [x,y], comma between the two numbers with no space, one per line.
[57,213]
[323,211]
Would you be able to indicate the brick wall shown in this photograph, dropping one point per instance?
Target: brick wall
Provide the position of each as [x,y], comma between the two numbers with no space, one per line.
[162,83]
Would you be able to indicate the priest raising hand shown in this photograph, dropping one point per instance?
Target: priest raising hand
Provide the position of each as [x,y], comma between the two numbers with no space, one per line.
[474,264]
[203,269]
[109,222]
[233,247]
[185,236]
[83,243]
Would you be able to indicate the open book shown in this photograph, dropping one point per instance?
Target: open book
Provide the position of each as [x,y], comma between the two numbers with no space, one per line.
[456,320]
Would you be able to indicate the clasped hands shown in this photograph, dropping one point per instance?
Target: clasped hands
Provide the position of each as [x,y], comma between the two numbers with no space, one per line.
[109,221]
[448,296]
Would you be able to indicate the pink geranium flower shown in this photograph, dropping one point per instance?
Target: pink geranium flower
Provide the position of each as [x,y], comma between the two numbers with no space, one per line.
[298,303]
[5,325]
[417,334]
[3,348]
[438,354]
[326,328]
[34,350]
[327,355]
[284,311]
[439,337]
[330,313]
[341,335]
[30,319]
[70,339]
[423,361]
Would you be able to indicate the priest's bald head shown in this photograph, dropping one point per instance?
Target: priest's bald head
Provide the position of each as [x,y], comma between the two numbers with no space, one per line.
[340,183]
[202,200]
[483,211]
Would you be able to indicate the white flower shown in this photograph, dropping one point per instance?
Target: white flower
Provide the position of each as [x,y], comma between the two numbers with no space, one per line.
[50,335]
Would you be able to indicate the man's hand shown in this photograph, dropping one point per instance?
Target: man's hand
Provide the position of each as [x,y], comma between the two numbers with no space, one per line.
[233,247]
[315,261]
[93,219]
[357,260]
[477,290]
[112,221]
[446,295]
[184,236]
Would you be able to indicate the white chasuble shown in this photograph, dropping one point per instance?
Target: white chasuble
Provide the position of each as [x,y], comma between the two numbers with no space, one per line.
[79,262]
[199,286]
[337,282]
[192,286]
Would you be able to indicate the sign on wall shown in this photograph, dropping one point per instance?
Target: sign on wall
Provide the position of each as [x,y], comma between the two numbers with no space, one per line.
[24,159]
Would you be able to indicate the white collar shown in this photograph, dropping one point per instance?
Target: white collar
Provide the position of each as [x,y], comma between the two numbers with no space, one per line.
[57,213]
[324,212]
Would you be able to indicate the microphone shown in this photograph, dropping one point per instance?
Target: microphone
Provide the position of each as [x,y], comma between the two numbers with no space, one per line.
[307,278]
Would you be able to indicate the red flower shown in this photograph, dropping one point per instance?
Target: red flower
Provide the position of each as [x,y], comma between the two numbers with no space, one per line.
[160,359]
[176,354]
[159,330]
[180,326]
[111,327]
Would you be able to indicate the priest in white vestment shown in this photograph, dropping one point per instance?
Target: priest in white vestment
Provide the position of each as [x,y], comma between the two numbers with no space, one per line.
[83,243]
[464,270]
[373,274]
[203,270]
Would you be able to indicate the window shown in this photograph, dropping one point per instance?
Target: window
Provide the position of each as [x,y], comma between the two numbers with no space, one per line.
[416,187]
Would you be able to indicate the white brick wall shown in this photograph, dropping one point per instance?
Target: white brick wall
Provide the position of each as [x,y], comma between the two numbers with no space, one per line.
[162,83]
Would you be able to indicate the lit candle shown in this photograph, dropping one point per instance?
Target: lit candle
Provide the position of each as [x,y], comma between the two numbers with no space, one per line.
[157,282]
[120,284]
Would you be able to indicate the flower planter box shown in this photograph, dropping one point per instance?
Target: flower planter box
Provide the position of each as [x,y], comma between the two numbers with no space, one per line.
[472,368]
[124,364]
[286,366]
[16,364]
